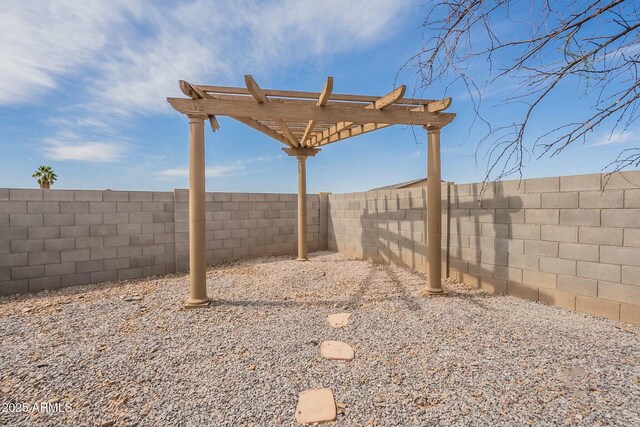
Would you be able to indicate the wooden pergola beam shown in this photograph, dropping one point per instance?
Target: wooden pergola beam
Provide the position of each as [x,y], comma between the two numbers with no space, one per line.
[259,95]
[230,90]
[322,101]
[293,112]
[435,106]
[195,93]
[191,91]
[352,131]
[378,104]
[388,99]
[264,129]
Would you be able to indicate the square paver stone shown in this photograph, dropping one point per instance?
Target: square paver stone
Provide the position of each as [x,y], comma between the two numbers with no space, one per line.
[336,350]
[339,320]
[316,406]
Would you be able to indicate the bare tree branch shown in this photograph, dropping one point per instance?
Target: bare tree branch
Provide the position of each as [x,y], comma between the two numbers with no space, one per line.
[592,44]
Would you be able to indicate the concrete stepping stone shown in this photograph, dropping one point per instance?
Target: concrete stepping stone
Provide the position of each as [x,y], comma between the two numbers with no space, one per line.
[336,350]
[339,320]
[316,406]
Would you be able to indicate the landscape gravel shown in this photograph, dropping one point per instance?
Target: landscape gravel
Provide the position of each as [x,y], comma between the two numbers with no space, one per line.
[126,353]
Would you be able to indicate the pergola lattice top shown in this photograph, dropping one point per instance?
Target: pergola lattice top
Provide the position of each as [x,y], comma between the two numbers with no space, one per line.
[309,119]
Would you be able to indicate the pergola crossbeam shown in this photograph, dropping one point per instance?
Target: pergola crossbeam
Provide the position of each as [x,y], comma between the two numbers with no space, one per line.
[300,95]
[378,104]
[388,99]
[327,114]
[264,129]
[322,101]
[259,95]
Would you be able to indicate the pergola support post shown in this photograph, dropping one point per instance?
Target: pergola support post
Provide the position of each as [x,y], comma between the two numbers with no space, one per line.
[302,208]
[434,213]
[197,223]
[301,154]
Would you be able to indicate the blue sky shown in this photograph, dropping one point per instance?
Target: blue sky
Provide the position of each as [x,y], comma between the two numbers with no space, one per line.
[83,88]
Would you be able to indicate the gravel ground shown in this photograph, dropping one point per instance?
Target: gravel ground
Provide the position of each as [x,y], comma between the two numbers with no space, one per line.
[125,354]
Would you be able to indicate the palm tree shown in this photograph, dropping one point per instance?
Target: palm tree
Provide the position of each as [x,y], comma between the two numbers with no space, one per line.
[45,176]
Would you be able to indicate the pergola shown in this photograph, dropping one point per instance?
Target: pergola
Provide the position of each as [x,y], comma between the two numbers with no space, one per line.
[305,122]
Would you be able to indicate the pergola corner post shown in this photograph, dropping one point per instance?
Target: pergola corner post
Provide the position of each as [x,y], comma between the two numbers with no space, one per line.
[197,220]
[302,208]
[434,213]
[301,154]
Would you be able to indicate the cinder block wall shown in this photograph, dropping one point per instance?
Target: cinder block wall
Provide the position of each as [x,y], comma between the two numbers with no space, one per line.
[55,238]
[571,241]
[386,226]
[243,225]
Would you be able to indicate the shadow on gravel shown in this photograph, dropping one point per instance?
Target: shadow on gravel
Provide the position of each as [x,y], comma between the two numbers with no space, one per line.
[409,300]
[475,299]
[84,290]
[357,296]
[343,305]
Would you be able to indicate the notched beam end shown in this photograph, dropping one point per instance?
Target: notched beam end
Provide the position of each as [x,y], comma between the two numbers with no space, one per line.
[254,89]
[436,106]
[326,92]
[213,121]
[389,98]
[189,90]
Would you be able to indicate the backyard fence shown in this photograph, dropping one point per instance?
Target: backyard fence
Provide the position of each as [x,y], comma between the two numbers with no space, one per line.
[571,241]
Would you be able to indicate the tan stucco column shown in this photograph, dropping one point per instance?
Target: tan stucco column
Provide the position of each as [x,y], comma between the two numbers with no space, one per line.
[197,263]
[434,213]
[301,154]
[302,208]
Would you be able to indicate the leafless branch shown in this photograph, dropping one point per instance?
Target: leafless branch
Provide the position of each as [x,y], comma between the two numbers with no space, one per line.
[592,44]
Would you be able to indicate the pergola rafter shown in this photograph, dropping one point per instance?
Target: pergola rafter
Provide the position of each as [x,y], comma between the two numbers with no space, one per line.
[304,122]
[322,101]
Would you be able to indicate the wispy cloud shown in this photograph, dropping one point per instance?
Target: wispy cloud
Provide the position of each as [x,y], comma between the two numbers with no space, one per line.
[137,79]
[615,138]
[124,57]
[234,168]
[91,151]
[42,42]
[87,140]
[210,172]
[128,54]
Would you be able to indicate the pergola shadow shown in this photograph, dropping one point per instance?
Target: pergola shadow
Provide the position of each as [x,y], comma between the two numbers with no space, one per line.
[398,240]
